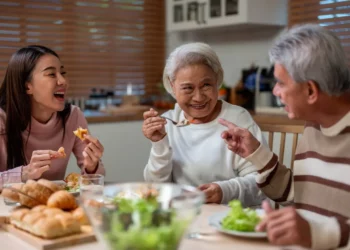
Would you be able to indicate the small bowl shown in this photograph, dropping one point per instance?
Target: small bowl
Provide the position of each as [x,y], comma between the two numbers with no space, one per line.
[137,216]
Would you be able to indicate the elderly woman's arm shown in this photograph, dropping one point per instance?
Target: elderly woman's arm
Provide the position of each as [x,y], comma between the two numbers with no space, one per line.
[244,186]
[159,167]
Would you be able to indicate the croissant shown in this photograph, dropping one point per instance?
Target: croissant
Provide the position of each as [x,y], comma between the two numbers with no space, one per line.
[45,222]
[50,185]
[63,200]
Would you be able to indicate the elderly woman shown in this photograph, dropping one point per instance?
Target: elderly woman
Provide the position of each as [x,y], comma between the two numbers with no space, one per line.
[195,154]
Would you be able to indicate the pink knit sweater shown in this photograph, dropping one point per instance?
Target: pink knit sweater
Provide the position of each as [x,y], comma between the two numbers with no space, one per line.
[49,136]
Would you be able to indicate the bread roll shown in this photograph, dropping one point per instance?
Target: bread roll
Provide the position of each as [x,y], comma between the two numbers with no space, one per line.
[62,199]
[79,215]
[45,222]
[19,213]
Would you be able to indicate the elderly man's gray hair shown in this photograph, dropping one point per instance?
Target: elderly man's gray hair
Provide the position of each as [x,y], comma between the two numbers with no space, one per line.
[310,52]
[191,54]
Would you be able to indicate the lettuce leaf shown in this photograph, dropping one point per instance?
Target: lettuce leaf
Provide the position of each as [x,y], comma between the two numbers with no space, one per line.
[239,218]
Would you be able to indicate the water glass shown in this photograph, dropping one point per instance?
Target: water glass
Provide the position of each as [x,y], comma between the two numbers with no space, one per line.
[7,180]
[91,187]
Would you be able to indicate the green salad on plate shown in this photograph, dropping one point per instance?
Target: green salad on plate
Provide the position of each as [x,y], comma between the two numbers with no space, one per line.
[239,218]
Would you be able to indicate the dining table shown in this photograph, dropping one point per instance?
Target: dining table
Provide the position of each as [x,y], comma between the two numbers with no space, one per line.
[209,237]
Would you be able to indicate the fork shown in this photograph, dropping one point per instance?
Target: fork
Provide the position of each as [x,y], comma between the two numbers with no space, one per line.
[177,124]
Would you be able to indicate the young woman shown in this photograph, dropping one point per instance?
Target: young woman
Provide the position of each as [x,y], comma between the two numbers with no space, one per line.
[35,121]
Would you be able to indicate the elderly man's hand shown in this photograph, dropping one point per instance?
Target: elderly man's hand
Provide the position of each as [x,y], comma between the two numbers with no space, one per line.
[285,227]
[239,140]
[212,191]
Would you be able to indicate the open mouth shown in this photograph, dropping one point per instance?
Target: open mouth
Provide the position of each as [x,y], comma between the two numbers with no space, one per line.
[198,106]
[59,95]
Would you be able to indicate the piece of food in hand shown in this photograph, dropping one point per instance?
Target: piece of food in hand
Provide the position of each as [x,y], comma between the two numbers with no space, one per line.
[184,122]
[80,132]
[63,200]
[61,152]
[239,218]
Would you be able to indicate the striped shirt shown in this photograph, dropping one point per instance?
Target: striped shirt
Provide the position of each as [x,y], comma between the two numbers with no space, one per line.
[319,185]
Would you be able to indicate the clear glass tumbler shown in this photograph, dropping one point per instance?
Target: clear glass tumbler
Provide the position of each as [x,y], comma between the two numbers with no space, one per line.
[91,186]
[7,180]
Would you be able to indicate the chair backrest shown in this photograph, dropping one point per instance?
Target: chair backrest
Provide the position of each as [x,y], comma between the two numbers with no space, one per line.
[294,129]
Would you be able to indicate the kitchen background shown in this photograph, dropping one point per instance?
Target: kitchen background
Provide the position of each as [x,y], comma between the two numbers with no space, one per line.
[110,87]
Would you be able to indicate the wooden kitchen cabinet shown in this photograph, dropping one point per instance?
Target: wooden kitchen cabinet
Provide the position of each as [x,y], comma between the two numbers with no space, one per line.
[199,14]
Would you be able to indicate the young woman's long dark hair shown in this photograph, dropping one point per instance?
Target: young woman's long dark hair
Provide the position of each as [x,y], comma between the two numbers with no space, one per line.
[16,102]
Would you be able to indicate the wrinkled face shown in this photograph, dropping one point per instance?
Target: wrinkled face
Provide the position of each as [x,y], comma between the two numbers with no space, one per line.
[48,84]
[196,91]
[293,95]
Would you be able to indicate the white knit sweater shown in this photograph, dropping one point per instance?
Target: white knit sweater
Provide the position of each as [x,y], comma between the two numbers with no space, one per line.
[196,154]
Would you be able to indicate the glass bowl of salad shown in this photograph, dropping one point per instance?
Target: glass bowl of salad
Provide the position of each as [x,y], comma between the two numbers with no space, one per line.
[144,216]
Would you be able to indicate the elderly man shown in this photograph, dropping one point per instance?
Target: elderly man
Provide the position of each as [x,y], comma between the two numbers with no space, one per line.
[313,81]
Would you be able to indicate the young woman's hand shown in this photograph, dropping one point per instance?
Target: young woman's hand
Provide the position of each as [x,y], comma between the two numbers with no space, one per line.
[39,163]
[153,126]
[92,153]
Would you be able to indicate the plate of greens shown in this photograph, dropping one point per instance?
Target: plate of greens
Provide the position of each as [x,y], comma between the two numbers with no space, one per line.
[238,221]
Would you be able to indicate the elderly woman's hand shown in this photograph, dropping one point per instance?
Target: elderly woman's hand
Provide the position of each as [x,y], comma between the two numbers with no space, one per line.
[239,140]
[153,126]
[212,191]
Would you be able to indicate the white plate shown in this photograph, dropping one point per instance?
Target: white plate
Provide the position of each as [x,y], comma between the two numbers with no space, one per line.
[75,193]
[215,221]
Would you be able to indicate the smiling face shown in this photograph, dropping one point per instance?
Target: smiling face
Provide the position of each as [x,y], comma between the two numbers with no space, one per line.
[295,96]
[196,91]
[48,85]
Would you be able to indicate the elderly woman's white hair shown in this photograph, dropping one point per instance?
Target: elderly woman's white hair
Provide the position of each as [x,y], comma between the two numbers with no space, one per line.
[191,54]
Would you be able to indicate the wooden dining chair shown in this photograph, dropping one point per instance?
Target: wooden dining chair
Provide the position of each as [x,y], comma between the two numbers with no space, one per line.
[284,129]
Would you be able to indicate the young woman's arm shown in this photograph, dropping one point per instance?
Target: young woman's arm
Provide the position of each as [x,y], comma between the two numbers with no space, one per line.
[89,151]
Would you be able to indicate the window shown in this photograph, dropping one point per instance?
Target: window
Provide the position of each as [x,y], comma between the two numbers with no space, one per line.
[332,14]
[102,43]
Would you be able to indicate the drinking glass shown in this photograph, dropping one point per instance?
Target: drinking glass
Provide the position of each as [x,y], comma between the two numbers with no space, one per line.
[91,187]
[7,180]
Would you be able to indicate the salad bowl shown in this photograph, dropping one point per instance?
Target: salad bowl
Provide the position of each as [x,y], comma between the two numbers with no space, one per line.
[142,216]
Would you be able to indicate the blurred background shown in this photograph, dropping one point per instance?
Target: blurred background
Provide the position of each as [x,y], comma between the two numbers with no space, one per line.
[115,50]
